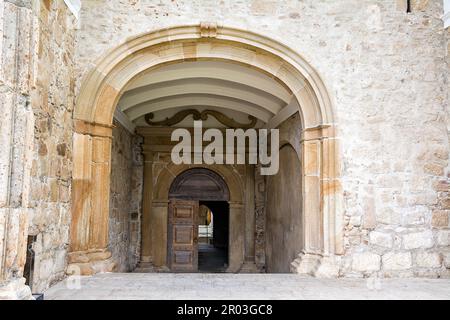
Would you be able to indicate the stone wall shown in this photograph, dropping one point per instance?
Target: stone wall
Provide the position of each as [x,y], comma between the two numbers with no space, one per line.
[125,199]
[385,70]
[37,88]
[52,101]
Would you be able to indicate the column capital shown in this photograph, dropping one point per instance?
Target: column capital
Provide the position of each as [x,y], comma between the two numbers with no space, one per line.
[92,128]
[160,203]
[236,205]
[321,132]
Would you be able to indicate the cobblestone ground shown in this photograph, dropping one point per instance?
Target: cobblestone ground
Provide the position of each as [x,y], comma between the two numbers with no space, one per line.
[243,286]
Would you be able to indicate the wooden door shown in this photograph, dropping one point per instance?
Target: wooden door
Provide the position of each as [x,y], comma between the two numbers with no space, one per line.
[183,236]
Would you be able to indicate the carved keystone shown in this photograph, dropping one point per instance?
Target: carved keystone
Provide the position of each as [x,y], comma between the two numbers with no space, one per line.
[208,29]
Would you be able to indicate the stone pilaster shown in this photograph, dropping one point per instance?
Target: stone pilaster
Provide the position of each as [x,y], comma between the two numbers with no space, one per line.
[146,249]
[323,210]
[159,218]
[236,247]
[249,265]
[90,200]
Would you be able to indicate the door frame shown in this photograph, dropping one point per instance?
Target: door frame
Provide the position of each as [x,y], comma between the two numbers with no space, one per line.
[189,186]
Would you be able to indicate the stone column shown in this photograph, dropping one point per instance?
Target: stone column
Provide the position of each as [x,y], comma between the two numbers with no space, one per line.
[159,218]
[146,230]
[236,247]
[90,199]
[260,217]
[249,262]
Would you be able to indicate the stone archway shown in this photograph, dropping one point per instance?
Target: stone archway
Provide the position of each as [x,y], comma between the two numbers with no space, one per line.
[102,88]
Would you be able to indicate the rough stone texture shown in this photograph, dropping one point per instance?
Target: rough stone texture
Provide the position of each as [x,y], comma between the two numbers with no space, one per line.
[52,101]
[388,88]
[386,70]
[393,261]
[125,199]
[381,239]
[37,98]
[366,262]
[389,92]
[428,260]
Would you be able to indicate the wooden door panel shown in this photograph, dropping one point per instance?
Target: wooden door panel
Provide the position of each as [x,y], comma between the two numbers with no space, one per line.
[182,237]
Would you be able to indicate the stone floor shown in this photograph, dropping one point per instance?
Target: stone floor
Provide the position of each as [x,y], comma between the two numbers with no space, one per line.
[242,287]
[211,259]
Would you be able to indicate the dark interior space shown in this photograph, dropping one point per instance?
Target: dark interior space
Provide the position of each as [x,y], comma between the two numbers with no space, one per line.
[213,254]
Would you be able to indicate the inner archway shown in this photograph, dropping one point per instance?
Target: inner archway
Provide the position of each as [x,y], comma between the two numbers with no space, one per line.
[193,192]
[120,69]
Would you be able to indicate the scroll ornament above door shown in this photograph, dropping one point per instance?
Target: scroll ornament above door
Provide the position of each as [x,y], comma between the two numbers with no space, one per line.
[201,116]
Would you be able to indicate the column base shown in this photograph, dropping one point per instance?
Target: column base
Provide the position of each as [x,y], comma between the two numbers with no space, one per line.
[249,267]
[234,268]
[15,290]
[86,263]
[316,265]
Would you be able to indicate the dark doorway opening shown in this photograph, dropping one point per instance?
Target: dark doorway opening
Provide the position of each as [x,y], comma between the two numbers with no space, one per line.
[29,264]
[213,236]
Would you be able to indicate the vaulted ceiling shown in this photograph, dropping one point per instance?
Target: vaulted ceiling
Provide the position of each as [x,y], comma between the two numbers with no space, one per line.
[234,90]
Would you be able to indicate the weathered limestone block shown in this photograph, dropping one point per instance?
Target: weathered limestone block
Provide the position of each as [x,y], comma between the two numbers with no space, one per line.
[418,240]
[446,260]
[419,5]
[428,260]
[366,262]
[393,261]
[443,238]
[381,239]
[440,219]
[388,216]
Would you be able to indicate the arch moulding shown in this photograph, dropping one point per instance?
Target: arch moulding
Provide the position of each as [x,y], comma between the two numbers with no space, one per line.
[104,85]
